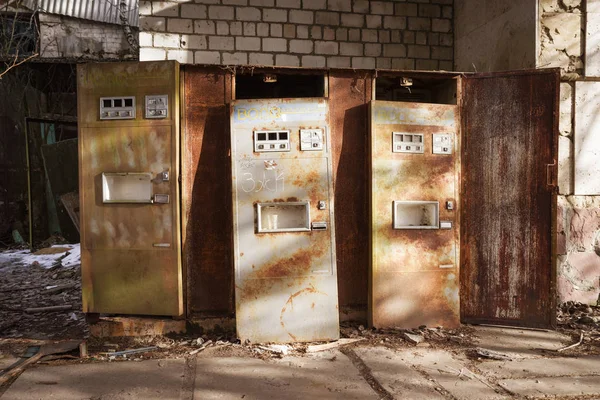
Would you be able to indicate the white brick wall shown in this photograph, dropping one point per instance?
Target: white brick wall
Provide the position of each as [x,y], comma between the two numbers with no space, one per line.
[307,33]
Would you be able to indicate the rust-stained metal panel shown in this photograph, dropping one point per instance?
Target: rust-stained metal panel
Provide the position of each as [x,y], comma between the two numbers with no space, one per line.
[131,260]
[286,285]
[414,272]
[206,192]
[349,95]
[509,197]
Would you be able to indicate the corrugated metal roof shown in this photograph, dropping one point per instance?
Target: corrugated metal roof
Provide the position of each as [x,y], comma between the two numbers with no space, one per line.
[95,10]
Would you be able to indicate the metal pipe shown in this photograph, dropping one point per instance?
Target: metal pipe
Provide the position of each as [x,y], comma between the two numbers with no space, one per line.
[29,201]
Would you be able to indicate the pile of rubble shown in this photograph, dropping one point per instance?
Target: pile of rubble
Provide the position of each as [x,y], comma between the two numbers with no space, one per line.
[40,294]
[575,315]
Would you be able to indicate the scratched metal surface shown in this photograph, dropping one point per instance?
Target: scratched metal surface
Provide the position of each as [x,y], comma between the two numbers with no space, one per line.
[414,273]
[122,271]
[285,283]
[510,125]
[206,192]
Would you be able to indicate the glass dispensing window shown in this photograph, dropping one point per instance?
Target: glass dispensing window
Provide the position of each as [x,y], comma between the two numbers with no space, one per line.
[127,187]
[283,217]
[416,214]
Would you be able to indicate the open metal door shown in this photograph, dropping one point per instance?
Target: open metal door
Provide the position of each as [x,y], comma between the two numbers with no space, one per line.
[509,154]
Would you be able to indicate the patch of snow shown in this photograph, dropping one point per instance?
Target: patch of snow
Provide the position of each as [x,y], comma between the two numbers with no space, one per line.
[25,257]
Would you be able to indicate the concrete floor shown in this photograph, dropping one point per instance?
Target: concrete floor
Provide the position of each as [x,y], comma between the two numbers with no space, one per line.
[363,372]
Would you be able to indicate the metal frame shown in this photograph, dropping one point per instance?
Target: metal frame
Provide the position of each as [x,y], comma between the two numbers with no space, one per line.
[416,203]
[259,207]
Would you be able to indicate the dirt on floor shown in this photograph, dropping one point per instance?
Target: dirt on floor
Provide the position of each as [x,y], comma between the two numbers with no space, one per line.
[24,287]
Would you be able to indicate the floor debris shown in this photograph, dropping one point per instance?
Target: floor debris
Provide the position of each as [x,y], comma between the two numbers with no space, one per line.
[276,348]
[412,338]
[328,346]
[492,355]
[573,345]
[129,352]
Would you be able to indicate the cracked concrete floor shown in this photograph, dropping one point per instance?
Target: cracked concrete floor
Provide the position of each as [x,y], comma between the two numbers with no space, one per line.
[361,371]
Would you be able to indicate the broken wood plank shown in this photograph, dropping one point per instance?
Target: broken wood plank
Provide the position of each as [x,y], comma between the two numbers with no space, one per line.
[17,368]
[131,351]
[327,346]
[71,203]
[60,288]
[49,308]
[493,355]
[573,345]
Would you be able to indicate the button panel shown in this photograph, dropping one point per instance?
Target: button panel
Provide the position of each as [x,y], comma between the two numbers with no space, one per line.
[311,139]
[157,106]
[117,108]
[442,143]
[407,142]
[271,141]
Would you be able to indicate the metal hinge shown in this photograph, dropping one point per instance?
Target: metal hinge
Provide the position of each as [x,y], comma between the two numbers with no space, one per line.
[552,174]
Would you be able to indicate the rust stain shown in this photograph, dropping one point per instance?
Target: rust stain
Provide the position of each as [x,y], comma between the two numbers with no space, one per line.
[286,261]
[206,200]
[290,301]
[126,274]
[508,274]
[311,178]
[298,263]
[349,95]
[414,277]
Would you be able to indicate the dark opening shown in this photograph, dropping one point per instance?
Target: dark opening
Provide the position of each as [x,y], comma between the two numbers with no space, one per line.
[274,86]
[424,89]
[18,34]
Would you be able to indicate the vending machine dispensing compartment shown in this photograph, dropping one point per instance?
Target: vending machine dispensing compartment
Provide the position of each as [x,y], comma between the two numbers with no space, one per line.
[416,214]
[283,217]
[126,187]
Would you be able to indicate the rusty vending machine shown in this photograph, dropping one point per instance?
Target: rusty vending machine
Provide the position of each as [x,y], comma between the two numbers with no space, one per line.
[285,270]
[129,190]
[414,215]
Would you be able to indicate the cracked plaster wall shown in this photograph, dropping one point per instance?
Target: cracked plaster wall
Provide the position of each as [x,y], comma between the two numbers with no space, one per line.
[72,38]
[568,39]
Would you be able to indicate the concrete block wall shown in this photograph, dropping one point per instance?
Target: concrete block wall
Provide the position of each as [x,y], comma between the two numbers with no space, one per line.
[362,34]
[495,35]
[72,38]
[568,40]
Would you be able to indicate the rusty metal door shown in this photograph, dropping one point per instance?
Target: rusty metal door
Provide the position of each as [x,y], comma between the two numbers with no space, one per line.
[284,249]
[414,216]
[509,126]
[129,188]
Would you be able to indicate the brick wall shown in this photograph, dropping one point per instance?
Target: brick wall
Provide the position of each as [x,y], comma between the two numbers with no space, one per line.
[300,33]
[72,38]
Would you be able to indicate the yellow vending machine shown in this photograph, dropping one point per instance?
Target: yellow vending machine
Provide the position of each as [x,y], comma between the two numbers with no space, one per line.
[285,271]
[129,191]
[414,174]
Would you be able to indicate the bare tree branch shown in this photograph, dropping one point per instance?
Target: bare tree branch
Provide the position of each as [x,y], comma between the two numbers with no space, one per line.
[12,44]
[16,63]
